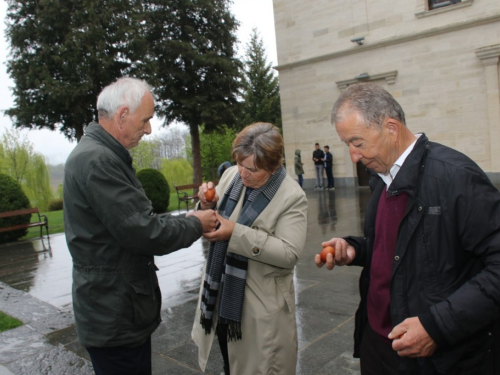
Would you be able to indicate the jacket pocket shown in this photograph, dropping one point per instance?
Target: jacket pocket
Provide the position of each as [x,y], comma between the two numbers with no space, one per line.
[280,294]
[145,303]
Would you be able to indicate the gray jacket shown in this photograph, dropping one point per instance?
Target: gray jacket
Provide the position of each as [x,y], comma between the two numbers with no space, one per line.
[112,235]
[299,169]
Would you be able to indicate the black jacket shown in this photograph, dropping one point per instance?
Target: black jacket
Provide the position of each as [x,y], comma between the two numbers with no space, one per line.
[328,159]
[318,154]
[446,269]
[113,235]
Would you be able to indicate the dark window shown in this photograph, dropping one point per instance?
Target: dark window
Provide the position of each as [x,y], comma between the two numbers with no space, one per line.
[435,4]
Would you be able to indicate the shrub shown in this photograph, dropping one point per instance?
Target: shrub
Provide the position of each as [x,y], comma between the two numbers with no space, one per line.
[156,187]
[56,205]
[12,198]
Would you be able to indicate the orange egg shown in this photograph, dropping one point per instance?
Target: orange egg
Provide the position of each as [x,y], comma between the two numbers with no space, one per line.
[326,250]
[210,195]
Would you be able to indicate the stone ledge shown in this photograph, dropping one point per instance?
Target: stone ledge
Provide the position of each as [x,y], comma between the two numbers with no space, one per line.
[39,315]
[367,46]
[28,349]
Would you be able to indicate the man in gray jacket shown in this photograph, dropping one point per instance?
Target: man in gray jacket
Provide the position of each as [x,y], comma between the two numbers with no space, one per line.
[113,234]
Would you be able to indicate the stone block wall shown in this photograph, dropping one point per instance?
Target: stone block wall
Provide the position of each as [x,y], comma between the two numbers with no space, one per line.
[441,65]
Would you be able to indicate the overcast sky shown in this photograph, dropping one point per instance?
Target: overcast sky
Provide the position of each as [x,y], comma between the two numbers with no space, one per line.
[56,148]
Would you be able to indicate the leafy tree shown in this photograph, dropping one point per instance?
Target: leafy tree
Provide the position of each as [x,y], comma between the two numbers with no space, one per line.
[215,149]
[3,164]
[156,187]
[260,88]
[151,151]
[36,184]
[17,151]
[26,167]
[59,192]
[192,61]
[177,171]
[62,54]
[146,154]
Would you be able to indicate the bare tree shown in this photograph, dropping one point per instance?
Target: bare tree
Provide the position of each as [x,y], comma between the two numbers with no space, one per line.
[173,143]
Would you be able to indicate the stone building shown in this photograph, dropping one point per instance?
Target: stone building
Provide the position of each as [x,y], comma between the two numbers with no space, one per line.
[439,59]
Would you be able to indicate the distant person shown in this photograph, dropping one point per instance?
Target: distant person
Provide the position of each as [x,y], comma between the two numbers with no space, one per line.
[430,252]
[247,294]
[318,154]
[113,234]
[222,168]
[328,165]
[299,167]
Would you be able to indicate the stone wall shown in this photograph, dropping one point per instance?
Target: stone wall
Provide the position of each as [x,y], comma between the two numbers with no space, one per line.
[441,65]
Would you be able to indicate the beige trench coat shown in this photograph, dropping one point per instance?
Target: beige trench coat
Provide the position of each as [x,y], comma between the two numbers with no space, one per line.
[273,246]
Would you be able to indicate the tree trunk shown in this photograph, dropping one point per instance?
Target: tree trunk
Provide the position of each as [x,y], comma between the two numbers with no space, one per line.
[195,148]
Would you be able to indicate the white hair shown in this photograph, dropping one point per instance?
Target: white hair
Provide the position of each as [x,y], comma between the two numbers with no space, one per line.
[125,91]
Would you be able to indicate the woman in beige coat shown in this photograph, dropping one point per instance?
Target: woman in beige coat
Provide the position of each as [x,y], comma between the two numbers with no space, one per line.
[247,295]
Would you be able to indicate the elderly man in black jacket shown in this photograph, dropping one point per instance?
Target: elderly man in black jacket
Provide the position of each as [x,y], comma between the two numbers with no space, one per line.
[430,287]
[113,234]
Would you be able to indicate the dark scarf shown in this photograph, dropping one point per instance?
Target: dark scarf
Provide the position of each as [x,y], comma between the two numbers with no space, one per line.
[228,271]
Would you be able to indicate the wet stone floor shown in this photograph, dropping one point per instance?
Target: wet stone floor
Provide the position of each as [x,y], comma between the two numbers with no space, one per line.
[37,289]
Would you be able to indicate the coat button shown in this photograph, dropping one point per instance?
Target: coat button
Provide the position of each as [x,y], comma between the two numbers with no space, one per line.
[420,208]
[396,258]
[256,250]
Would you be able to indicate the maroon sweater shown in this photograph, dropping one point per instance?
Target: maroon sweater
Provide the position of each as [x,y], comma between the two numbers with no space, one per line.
[390,211]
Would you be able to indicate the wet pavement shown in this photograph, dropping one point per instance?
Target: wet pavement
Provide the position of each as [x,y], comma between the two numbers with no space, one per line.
[35,287]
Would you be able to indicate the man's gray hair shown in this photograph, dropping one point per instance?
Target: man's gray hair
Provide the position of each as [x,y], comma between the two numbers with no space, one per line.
[371,101]
[125,91]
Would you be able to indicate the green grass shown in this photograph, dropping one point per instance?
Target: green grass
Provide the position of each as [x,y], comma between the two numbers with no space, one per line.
[173,203]
[8,322]
[56,223]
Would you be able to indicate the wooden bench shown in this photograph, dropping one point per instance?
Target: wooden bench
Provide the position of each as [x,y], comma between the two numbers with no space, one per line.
[183,196]
[43,221]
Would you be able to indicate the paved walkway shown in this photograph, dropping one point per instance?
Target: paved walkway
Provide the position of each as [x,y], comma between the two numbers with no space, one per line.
[35,287]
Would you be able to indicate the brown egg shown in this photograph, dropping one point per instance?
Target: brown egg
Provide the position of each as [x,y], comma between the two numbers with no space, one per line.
[326,250]
[210,195]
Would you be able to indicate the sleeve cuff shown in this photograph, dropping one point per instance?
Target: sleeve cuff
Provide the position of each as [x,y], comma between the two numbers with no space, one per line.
[351,240]
[432,329]
[197,223]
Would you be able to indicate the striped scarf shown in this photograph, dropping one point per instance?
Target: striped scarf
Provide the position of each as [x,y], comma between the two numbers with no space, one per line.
[227,271]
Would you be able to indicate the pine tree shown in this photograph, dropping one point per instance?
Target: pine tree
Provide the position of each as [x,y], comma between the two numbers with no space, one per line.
[192,62]
[62,54]
[65,52]
[261,88]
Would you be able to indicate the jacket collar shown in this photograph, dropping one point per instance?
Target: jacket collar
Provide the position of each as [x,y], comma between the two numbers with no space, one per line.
[408,176]
[96,131]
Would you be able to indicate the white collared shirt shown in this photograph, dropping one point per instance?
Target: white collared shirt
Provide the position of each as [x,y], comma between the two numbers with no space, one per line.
[389,177]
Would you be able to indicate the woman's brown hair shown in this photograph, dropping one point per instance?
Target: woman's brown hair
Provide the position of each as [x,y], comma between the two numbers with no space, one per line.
[264,142]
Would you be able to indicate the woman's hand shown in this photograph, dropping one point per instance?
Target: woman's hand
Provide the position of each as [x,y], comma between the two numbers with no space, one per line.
[204,204]
[223,232]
